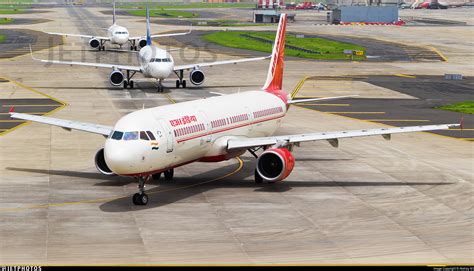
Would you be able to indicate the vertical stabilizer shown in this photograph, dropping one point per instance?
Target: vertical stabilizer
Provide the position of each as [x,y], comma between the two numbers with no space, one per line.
[113,14]
[148,37]
[275,70]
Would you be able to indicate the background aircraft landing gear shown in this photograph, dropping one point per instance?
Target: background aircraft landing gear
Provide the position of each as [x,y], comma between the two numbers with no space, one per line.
[128,82]
[160,86]
[180,81]
[141,198]
[169,174]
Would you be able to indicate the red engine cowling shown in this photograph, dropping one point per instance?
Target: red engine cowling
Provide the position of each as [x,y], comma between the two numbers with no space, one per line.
[274,165]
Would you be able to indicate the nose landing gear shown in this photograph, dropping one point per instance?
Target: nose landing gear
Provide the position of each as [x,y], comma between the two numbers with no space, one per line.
[141,198]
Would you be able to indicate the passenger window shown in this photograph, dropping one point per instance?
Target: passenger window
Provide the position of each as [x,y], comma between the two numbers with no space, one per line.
[150,135]
[143,136]
[117,135]
[130,136]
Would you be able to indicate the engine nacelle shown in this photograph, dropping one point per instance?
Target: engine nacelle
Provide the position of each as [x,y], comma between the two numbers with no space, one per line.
[274,165]
[142,43]
[101,165]
[116,78]
[196,77]
[94,43]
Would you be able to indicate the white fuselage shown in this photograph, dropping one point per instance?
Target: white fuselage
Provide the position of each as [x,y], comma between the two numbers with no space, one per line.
[191,131]
[155,62]
[118,34]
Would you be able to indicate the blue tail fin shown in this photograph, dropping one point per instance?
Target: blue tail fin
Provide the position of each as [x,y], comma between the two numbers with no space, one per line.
[148,38]
[113,15]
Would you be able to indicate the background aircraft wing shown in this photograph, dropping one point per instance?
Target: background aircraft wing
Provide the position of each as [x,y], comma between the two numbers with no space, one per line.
[66,124]
[332,137]
[90,64]
[78,35]
[223,62]
[163,35]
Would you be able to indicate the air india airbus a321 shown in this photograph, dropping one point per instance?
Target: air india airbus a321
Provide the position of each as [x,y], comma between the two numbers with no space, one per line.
[148,142]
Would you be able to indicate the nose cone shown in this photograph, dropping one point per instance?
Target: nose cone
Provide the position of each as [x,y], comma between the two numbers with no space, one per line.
[120,38]
[120,158]
[160,70]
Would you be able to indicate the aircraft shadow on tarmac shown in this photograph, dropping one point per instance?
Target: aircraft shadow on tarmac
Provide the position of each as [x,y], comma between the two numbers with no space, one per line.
[150,87]
[181,188]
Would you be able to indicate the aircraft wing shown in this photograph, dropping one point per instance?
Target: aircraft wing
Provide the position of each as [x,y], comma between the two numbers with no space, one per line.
[223,62]
[163,35]
[332,137]
[78,35]
[89,64]
[65,124]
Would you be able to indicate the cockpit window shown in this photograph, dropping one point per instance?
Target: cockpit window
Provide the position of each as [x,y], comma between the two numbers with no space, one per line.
[143,136]
[130,136]
[160,60]
[117,135]
[150,135]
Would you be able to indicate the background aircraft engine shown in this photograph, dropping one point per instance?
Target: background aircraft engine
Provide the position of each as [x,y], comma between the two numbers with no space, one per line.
[94,43]
[274,165]
[196,77]
[142,43]
[101,165]
[116,78]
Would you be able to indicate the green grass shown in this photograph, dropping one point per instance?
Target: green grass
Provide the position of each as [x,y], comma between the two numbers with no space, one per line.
[6,20]
[224,22]
[2,38]
[11,11]
[186,6]
[329,49]
[164,13]
[463,107]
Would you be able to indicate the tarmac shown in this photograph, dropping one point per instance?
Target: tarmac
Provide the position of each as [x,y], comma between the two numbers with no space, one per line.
[370,201]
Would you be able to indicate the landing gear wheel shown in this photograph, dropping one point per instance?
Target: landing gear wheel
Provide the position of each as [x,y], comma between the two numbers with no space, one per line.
[125,84]
[184,84]
[132,48]
[169,174]
[156,176]
[177,84]
[258,178]
[136,48]
[131,84]
[140,199]
[103,48]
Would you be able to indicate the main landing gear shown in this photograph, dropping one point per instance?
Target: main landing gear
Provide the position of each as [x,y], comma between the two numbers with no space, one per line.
[129,81]
[133,46]
[141,198]
[180,81]
[101,45]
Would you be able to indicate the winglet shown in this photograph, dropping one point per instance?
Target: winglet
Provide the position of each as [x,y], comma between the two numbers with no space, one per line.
[11,110]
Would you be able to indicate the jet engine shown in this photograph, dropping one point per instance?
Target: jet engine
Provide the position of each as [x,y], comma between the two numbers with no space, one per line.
[94,43]
[116,78]
[274,165]
[196,77]
[142,43]
[101,165]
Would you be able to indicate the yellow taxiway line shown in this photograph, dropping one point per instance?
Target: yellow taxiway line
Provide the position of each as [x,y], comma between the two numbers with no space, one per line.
[405,75]
[324,104]
[371,113]
[395,120]
[43,206]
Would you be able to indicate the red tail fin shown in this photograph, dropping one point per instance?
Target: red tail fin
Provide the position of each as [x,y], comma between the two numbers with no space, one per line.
[275,71]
